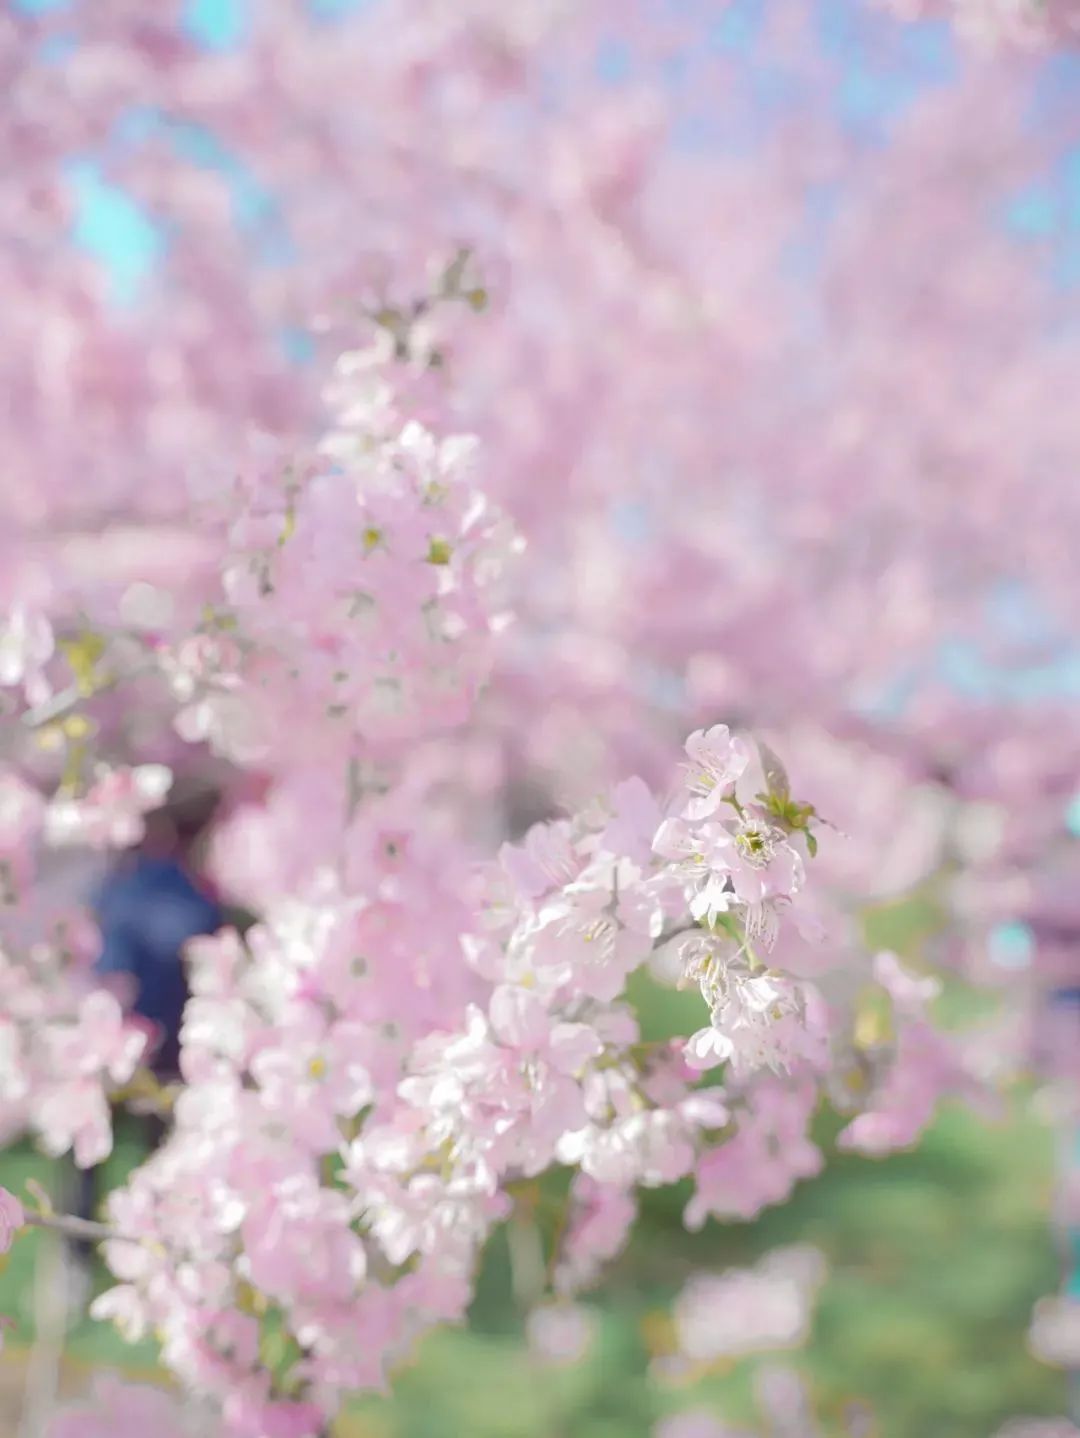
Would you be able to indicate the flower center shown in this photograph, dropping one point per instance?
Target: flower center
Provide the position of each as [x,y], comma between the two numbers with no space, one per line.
[757,844]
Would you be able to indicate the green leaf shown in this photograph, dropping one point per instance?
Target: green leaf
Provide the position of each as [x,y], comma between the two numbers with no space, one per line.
[776,776]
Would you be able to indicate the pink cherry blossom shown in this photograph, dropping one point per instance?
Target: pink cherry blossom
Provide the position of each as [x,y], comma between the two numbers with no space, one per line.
[110,814]
[749,1310]
[695,1423]
[560,1333]
[11,1218]
[120,1410]
[1054,1336]
[1038,1428]
[716,760]
[567,487]
[26,646]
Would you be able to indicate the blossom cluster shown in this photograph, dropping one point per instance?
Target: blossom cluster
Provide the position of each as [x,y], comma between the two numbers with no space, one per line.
[375,1068]
[64,1044]
[720,1316]
[400,1041]
[359,588]
[341,1153]
[365,1085]
[1026,24]
[115,1409]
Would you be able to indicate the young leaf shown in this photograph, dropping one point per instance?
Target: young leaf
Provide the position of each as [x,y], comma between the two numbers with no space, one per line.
[776,777]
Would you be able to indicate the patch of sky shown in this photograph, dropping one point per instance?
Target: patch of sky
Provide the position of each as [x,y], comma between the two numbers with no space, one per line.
[1045,667]
[1072,1283]
[256,210]
[1047,212]
[217,24]
[297,345]
[56,49]
[736,28]
[891,700]
[969,673]
[614,61]
[330,10]
[115,230]
[1052,96]
[1012,945]
[664,687]
[1032,214]
[1012,610]
[1045,664]
[886,66]
[802,256]
[1065,274]
[631,521]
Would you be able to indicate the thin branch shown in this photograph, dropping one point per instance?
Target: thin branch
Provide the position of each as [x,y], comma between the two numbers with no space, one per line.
[72,1227]
[75,694]
[54,708]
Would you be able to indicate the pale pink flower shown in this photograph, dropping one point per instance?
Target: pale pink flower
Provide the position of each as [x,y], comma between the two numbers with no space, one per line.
[22,810]
[707,1048]
[763,864]
[12,1218]
[519,1017]
[635,819]
[717,759]
[909,991]
[752,1310]
[1038,1428]
[110,815]
[1054,1335]
[74,1115]
[695,1423]
[546,859]
[26,646]
[600,1218]
[251,1412]
[121,1410]
[560,1333]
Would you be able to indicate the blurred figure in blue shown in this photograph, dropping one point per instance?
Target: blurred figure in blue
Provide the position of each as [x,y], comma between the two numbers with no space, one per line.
[147,908]
[150,905]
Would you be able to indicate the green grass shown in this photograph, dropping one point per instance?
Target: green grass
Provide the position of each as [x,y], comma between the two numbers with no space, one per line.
[937,1257]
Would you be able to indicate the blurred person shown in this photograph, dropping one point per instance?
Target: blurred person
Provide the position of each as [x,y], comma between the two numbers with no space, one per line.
[150,903]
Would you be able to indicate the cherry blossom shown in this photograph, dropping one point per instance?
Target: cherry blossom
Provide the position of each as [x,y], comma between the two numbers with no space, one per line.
[560,1333]
[116,1409]
[695,1423]
[26,646]
[110,814]
[740,1311]
[548,488]
[11,1218]
[1054,1336]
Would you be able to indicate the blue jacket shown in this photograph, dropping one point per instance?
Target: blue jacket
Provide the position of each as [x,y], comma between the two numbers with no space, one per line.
[147,912]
